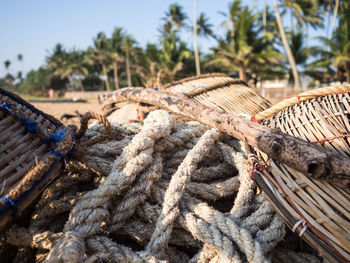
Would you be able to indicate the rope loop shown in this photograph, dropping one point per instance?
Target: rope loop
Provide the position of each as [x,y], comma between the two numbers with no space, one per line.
[80,148]
[60,155]
[302,231]
[84,125]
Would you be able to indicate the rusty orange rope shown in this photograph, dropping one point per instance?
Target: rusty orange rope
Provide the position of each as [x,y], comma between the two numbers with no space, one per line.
[332,138]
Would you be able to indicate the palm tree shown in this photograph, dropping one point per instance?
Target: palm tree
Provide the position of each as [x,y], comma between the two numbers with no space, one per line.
[149,66]
[338,47]
[203,29]
[175,17]
[173,53]
[128,44]
[20,57]
[287,47]
[73,66]
[7,64]
[70,65]
[300,51]
[100,53]
[19,74]
[116,51]
[56,56]
[243,49]
[334,15]
[306,13]
[37,82]
[327,6]
[234,12]
[195,47]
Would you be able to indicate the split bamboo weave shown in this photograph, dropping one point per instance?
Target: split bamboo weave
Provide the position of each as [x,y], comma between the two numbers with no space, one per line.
[33,148]
[220,91]
[321,211]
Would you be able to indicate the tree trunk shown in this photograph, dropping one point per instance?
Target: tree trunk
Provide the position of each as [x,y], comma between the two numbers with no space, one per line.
[287,47]
[334,15]
[348,75]
[264,18]
[303,156]
[106,75]
[127,63]
[195,47]
[115,71]
[81,85]
[242,75]
[292,20]
[71,82]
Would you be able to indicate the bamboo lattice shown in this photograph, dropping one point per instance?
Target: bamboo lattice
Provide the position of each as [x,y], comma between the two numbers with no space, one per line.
[220,91]
[33,146]
[320,116]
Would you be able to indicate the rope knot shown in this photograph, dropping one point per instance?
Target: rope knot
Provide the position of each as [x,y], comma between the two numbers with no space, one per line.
[302,231]
[55,137]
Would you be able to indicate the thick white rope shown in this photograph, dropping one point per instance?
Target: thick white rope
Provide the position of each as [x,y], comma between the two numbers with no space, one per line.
[178,191]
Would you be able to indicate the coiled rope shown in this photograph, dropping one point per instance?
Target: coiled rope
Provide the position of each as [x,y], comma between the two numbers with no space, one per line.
[161,192]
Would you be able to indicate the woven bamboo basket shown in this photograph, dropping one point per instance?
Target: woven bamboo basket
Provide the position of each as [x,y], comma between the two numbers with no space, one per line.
[33,149]
[214,89]
[318,210]
[220,91]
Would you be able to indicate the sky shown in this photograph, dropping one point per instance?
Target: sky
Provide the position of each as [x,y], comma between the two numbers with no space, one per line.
[33,27]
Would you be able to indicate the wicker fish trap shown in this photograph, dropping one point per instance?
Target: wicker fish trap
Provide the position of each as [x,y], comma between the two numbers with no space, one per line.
[33,150]
[220,91]
[317,210]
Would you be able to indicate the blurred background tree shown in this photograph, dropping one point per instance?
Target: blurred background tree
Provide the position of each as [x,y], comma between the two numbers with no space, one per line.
[254,46]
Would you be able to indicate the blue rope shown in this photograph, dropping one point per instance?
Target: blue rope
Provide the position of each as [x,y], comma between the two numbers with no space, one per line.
[30,125]
[9,203]
[55,137]
[59,155]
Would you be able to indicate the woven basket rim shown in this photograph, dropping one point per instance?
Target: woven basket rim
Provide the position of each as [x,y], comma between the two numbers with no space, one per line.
[19,100]
[308,95]
[202,76]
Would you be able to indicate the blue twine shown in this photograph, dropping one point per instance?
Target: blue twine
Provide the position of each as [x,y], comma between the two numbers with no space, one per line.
[60,155]
[9,203]
[30,125]
[55,137]
[5,107]
[71,154]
